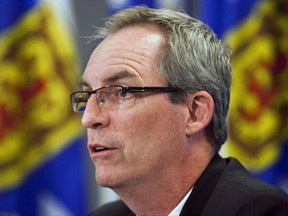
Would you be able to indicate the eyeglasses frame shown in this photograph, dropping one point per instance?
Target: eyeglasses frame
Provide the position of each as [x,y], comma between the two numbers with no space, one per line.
[128,89]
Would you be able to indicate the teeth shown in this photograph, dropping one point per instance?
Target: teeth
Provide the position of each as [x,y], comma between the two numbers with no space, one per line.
[99,148]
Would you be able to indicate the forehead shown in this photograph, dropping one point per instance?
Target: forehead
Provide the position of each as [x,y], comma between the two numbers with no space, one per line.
[132,51]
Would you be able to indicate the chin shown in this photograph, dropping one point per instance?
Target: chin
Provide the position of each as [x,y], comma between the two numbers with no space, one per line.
[105,180]
[108,184]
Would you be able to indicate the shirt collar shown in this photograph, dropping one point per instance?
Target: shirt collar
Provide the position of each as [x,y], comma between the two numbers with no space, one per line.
[176,211]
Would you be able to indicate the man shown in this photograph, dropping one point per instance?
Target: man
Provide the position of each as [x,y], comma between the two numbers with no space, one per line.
[155,99]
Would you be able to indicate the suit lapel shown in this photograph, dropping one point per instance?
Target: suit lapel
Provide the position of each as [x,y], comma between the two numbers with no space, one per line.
[131,214]
[204,187]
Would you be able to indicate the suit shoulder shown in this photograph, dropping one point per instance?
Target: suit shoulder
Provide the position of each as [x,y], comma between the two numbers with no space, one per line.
[111,209]
[238,177]
[238,192]
[260,199]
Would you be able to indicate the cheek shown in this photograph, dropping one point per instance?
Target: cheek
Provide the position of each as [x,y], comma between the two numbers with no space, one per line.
[136,127]
[150,132]
[138,122]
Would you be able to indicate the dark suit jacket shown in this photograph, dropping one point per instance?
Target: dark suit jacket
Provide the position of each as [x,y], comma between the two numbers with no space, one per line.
[225,188]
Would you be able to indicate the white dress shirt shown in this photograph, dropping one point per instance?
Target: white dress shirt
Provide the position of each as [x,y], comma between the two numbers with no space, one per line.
[178,209]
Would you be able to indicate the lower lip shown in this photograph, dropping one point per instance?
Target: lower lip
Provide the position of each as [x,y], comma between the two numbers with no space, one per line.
[102,154]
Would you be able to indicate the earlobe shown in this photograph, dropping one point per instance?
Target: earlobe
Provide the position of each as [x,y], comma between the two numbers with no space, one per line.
[201,109]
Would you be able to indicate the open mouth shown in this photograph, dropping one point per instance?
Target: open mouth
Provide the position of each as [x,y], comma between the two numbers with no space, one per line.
[99,149]
[96,148]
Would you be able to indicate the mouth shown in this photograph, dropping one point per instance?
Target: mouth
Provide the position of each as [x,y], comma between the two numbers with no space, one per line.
[99,149]
[96,148]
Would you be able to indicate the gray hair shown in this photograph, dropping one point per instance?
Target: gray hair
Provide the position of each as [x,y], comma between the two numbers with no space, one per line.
[194,59]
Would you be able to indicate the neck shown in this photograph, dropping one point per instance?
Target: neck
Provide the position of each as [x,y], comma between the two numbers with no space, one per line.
[154,199]
[161,193]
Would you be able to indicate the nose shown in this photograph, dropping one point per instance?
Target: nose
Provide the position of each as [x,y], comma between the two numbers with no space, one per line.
[93,117]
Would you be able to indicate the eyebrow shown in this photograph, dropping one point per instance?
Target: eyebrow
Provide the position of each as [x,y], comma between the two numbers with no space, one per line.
[114,78]
[119,76]
[83,83]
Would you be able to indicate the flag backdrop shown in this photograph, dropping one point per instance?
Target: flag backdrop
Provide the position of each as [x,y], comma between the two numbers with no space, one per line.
[41,162]
[115,5]
[257,32]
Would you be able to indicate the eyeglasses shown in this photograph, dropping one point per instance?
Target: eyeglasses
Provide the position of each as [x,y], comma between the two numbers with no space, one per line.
[113,97]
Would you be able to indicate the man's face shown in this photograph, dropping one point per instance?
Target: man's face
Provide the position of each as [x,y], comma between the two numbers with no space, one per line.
[144,142]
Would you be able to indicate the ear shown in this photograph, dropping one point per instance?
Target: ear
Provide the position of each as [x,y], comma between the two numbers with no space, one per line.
[201,109]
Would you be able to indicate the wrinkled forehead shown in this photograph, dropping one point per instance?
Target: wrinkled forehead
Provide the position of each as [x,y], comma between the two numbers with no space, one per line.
[133,50]
[140,36]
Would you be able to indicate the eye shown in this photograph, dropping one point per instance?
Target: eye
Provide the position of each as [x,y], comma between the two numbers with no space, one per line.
[122,93]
